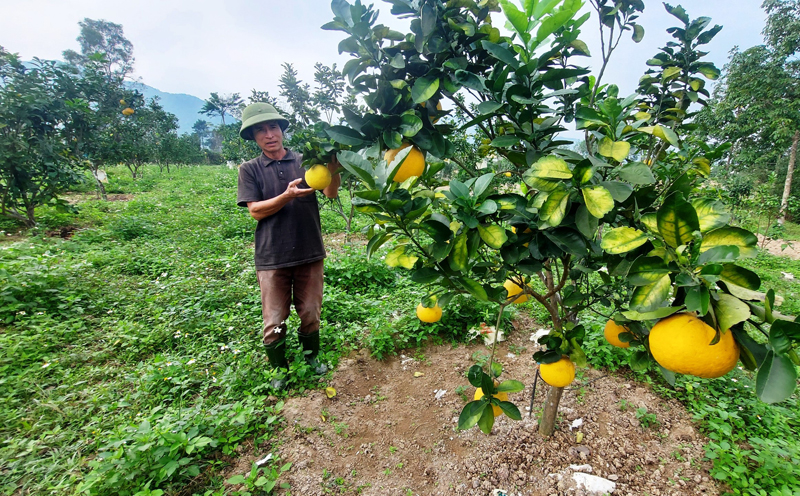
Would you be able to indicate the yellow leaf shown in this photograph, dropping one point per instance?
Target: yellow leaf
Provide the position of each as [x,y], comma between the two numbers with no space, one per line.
[579,437]
[330,393]
[418,374]
[617,150]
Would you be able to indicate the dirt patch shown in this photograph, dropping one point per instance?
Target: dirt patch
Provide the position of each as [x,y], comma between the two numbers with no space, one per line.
[64,232]
[780,247]
[386,434]
[122,198]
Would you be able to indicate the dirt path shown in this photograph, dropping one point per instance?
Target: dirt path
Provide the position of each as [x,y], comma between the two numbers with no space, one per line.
[780,247]
[386,434]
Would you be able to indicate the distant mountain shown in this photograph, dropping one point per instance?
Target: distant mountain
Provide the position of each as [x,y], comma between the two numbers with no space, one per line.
[185,107]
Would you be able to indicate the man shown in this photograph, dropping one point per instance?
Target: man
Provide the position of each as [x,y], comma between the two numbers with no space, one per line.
[289,252]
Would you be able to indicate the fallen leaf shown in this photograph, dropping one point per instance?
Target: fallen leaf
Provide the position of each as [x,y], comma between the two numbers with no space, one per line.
[418,374]
[579,437]
[330,392]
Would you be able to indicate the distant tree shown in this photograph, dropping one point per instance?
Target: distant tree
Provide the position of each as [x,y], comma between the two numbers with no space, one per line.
[298,96]
[139,135]
[201,129]
[107,38]
[756,105]
[263,97]
[329,91]
[221,105]
[234,148]
[35,161]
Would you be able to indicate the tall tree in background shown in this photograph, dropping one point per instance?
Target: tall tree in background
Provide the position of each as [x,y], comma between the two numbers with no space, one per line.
[330,88]
[221,105]
[99,36]
[201,130]
[298,96]
[756,106]
[262,97]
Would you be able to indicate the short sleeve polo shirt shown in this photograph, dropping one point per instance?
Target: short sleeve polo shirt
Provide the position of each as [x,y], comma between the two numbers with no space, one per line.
[293,235]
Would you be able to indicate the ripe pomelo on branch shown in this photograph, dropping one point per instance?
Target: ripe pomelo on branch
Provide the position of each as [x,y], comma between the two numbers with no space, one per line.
[612,332]
[127,111]
[558,374]
[413,165]
[500,396]
[318,177]
[429,315]
[682,343]
[513,290]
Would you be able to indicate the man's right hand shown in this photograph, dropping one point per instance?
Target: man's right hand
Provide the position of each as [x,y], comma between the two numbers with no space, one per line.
[292,191]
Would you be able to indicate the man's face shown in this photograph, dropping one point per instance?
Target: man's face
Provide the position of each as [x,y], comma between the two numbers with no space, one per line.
[268,136]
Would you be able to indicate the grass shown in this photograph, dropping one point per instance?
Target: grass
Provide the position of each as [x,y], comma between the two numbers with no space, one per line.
[130,357]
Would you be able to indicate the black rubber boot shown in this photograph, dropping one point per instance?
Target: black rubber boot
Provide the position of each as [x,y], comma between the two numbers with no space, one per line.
[277,359]
[310,344]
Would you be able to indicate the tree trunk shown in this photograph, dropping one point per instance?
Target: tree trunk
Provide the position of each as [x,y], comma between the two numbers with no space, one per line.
[787,186]
[548,423]
[100,187]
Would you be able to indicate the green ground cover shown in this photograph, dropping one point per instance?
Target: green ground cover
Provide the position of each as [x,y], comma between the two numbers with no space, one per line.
[130,361]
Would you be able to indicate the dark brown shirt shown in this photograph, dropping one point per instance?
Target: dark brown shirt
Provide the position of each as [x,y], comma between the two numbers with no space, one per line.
[291,236]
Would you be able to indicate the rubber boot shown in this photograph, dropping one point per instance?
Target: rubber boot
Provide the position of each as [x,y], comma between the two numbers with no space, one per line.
[310,344]
[276,352]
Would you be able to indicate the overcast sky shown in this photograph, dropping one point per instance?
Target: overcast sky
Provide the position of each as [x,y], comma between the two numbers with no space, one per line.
[200,46]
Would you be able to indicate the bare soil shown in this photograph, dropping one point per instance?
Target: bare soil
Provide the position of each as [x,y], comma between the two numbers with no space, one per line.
[780,247]
[384,433]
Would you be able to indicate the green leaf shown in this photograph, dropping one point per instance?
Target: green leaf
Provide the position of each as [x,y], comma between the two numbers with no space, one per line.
[482,184]
[505,141]
[731,236]
[518,20]
[510,386]
[425,275]
[459,256]
[647,270]
[711,214]
[622,240]
[511,410]
[752,354]
[486,422]
[656,314]
[501,53]
[411,125]
[392,138]
[619,190]
[475,375]
[399,257]
[729,311]
[489,107]
[470,414]
[474,288]
[598,200]
[618,150]
[493,235]
[424,88]
[640,361]
[637,173]
[358,166]
[586,223]
[789,328]
[779,340]
[550,167]
[345,136]
[677,220]
[555,207]
[650,297]
[697,299]
[236,479]
[719,254]
[638,35]
[650,221]
[776,379]
[733,274]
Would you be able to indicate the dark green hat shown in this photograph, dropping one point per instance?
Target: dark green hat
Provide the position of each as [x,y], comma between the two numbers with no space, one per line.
[256,113]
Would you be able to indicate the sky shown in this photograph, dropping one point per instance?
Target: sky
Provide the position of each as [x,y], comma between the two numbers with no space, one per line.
[200,46]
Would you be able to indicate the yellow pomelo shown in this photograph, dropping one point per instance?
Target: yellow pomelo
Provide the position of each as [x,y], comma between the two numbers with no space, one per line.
[612,332]
[558,374]
[127,111]
[500,396]
[513,290]
[429,315]
[413,165]
[681,343]
[318,177]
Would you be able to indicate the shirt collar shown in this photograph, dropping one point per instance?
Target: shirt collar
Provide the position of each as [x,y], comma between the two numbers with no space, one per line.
[268,161]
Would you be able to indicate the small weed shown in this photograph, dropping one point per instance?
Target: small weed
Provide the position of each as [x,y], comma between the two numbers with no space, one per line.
[624,405]
[387,471]
[461,391]
[647,420]
[516,349]
[392,449]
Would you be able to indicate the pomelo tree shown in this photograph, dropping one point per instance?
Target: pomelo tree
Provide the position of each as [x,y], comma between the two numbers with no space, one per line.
[625,224]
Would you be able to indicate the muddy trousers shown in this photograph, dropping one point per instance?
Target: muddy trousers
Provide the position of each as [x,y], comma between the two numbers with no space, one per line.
[300,285]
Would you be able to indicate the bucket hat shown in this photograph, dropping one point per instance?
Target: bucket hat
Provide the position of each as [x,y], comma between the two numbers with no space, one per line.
[256,113]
